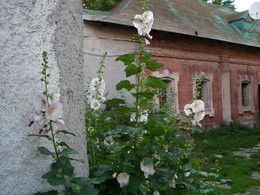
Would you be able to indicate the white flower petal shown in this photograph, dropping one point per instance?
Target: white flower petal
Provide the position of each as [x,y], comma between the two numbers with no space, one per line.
[54,111]
[40,102]
[95,104]
[187,109]
[123,179]
[197,106]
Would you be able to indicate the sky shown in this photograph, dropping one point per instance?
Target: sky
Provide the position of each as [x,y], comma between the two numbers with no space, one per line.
[243,5]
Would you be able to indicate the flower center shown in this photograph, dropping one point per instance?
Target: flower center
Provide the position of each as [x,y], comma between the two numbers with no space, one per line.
[52,110]
[43,102]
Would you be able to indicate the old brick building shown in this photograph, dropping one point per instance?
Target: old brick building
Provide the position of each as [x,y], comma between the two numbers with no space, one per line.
[191,38]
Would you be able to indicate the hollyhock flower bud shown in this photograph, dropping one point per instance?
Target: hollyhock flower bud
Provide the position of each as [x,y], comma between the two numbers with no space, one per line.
[60,123]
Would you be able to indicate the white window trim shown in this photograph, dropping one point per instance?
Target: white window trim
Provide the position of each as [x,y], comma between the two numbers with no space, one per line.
[174,79]
[245,79]
[209,78]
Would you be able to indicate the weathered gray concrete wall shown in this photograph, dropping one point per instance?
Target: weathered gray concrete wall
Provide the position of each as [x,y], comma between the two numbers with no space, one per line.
[99,39]
[28,27]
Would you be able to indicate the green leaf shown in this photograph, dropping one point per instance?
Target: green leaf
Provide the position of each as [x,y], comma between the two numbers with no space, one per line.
[45,151]
[147,95]
[123,109]
[145,57]
[144,104]
[115,101]
[78,160]
[67,151]
[68,169]
[127,59]
[53,179]
[39,135]
[125,84]
[136,37]
[90,189]
[147,160]
[63,144]
[153,65]
[132,70]
[52,192]
[65,132]
[155,82]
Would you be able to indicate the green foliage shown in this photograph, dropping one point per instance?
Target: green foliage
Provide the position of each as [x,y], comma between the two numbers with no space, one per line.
[223,3]
[101,5]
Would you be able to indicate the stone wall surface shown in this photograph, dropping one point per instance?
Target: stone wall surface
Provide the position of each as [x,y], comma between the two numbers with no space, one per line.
[29,27]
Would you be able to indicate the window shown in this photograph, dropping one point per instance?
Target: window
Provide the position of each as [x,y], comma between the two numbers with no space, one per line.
[168,97]
[245,94]
[205,91]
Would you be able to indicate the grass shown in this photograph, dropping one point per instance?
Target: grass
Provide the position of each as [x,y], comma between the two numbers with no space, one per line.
[235,170]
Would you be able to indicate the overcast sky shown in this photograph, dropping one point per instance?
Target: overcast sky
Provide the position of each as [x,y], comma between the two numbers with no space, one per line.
[243,5]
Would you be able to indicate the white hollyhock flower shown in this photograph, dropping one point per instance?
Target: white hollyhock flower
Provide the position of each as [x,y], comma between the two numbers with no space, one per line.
[40,102]
[138,22]
[199,116]
[147,169]
[39,119]
[187,109]
[197,106]
[123,179]
[95,104]
[109,140]
[148,17]
[94,83]
[156,192]
[54,111]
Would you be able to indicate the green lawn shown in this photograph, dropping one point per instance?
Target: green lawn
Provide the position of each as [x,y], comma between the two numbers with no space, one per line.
[217,147]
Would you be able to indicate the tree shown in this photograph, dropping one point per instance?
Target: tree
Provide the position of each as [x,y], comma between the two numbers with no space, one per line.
[101,5]
[223,3]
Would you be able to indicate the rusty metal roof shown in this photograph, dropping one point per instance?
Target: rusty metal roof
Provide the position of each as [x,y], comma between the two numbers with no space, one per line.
[189,17]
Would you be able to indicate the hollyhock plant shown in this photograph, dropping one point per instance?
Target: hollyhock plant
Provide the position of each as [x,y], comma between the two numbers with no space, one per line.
[61,171]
